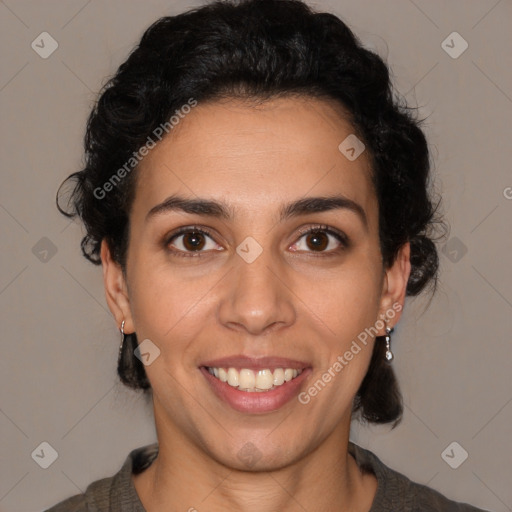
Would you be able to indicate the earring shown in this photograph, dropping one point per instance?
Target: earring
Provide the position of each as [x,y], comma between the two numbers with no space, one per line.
[389,354]
[123,336]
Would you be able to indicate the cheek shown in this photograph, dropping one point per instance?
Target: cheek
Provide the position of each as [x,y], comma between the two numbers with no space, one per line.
[349,306]
[350,299]
[154,298]
[169,309]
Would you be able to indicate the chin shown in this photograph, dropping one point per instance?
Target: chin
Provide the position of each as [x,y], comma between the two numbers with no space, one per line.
[259,454]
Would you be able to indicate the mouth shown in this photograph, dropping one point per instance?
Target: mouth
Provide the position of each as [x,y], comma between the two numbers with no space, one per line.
[255,385]
[251,381]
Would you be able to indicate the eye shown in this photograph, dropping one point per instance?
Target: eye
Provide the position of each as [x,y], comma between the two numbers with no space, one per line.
[316,239]
[193,239]
[190,239]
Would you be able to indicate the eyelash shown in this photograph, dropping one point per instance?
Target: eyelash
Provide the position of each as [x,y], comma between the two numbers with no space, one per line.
[339,235]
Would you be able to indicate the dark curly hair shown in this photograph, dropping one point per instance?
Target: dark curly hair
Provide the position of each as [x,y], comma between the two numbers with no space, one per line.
[260,49]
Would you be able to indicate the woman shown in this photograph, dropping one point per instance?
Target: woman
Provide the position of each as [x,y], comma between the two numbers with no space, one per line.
[259,204]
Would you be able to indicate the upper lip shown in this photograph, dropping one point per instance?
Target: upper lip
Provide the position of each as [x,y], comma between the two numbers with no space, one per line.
[255,363]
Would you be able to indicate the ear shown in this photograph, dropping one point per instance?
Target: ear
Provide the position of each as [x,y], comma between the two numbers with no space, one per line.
[116,291]
[394,287]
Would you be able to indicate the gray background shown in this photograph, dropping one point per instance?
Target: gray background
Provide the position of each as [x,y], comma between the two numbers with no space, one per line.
[59,341]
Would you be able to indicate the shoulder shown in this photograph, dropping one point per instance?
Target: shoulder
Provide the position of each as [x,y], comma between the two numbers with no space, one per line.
[397,492]
[115,493]
[426,498]
[96,497]
[74,504]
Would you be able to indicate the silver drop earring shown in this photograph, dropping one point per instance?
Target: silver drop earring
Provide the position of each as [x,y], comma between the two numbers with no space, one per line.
[122,340]
[389,354]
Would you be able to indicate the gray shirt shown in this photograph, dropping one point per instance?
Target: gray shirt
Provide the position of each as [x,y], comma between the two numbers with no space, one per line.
[395,492]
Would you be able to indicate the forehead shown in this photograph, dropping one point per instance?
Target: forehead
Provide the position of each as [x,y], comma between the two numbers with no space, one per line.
[255,156]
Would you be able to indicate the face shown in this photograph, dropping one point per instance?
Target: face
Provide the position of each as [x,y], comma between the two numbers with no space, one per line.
[266,278]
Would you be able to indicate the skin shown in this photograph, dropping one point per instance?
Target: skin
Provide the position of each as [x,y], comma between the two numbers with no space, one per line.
[293,301]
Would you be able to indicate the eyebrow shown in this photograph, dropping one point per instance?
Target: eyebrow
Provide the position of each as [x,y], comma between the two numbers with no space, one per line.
[219,209]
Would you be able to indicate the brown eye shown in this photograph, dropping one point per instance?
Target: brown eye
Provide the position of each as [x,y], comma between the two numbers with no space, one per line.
[193,241]
[322,239]
[317,241]
[187,241]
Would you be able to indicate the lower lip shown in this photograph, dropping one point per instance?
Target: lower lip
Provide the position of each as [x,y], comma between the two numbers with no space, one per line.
[256,402]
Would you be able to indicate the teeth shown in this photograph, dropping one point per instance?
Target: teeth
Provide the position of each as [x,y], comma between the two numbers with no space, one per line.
[264,379]
[259,381]
[247,379]
[278,376]
[233,377]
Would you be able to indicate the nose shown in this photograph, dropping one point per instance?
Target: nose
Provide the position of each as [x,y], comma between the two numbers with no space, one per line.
[257,297]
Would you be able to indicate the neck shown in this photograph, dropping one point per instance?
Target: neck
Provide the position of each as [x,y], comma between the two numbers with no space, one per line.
[184,477]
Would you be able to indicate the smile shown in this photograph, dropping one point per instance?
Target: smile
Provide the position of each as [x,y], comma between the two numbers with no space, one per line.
[255,385]
[250,381]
